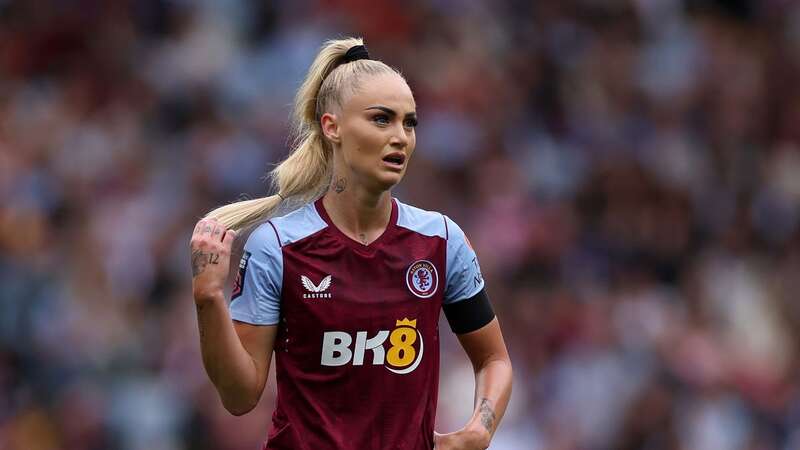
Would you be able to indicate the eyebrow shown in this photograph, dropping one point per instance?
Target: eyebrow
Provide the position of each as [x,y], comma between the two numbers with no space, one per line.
[389,111]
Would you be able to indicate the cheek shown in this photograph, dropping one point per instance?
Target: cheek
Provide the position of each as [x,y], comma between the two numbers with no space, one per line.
[368,142]
[412,144]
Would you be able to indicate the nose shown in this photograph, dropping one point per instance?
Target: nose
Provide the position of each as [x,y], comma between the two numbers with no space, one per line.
[399,137]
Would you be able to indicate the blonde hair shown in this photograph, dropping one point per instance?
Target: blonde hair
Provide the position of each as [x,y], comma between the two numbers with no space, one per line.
[306,172]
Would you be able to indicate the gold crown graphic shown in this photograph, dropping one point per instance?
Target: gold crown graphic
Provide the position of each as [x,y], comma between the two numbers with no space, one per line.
[407,323]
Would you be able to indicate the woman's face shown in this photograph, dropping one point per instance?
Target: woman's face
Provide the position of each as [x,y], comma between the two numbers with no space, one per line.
[374,132]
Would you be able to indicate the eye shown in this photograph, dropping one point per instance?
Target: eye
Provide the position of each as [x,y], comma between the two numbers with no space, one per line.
[410,123]
[381,119]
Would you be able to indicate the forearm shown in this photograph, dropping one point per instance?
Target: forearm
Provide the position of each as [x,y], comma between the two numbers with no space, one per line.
[492,391]
[227,363]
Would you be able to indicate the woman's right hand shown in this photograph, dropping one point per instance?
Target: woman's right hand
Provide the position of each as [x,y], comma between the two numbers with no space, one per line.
[211,253]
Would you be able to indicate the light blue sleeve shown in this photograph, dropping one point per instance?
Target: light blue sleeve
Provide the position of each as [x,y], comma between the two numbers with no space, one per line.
[464,278]
[257,290]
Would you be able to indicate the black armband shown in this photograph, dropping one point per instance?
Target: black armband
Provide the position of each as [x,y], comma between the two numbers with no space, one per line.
[469,315]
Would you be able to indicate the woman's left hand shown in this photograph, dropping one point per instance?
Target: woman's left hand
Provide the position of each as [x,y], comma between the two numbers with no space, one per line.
[464,439]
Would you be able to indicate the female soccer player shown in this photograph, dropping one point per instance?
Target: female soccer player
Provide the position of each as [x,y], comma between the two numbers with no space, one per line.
[347,289]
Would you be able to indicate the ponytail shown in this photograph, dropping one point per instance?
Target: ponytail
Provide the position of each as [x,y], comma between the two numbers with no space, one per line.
[305,173]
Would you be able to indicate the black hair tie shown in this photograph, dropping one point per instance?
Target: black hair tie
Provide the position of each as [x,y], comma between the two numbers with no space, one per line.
[355,53]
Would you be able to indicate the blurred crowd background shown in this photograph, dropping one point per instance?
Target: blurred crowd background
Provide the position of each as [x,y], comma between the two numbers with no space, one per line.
[628,172]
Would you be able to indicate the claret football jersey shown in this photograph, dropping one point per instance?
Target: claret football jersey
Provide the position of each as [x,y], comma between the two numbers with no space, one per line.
[357,349]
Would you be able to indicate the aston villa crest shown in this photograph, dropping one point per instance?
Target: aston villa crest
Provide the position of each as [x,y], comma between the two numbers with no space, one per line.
[422,279]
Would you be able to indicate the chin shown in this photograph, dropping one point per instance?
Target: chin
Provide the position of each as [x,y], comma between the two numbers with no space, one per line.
[388,180]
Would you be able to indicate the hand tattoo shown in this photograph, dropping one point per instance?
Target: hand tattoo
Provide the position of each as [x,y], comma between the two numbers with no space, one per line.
[200,260]
[487,415]
[339,185]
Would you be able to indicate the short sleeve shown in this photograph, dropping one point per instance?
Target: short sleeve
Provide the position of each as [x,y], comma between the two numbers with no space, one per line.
[257,289]
[464,278]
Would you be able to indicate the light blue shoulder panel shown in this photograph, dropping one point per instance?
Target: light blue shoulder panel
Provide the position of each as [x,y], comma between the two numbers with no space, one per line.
[428,223]
[464,278]
[298,224]
[261,266]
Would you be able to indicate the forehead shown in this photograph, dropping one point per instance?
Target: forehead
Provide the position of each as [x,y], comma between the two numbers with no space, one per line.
[384,89]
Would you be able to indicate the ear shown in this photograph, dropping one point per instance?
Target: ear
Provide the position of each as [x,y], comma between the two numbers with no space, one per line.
[330,127]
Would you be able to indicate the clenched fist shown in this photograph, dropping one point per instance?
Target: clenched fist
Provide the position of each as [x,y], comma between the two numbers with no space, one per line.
[211,253]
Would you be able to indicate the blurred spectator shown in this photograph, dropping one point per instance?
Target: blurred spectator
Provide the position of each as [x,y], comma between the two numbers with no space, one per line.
[629,172]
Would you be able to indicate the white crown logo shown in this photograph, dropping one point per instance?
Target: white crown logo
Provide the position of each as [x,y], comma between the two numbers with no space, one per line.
[311,287]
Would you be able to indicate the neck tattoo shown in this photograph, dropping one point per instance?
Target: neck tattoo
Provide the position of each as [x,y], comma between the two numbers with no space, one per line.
[339,184]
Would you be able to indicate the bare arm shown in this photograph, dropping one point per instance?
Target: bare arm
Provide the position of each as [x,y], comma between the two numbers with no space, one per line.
[236,355]
[487,352]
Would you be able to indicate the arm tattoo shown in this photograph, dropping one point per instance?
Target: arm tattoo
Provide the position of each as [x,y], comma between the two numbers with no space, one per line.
[200,326]
[487,415]
[200,260]
[339,185]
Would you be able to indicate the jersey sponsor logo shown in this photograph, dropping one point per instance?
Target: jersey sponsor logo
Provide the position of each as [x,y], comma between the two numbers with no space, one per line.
[238,282]
[403,356]
[477,277]
[316,291]
[422,279]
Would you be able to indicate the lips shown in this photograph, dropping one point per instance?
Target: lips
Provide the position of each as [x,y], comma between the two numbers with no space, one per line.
[395,158]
